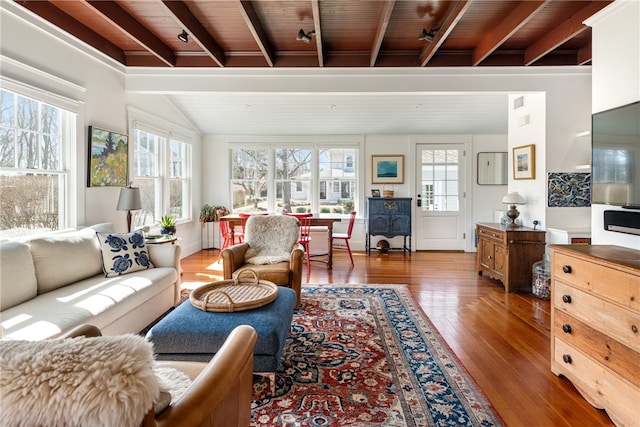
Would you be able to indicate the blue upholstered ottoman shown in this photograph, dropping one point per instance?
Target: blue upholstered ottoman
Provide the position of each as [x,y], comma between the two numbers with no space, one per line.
[188,333]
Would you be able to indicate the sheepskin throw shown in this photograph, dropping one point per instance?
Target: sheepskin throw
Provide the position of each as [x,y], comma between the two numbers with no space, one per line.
[270,238]
[102,381]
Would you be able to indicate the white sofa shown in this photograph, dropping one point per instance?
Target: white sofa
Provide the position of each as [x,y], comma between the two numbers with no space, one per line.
[49,285]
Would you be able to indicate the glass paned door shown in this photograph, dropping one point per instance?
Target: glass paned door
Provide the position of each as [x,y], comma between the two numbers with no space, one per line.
[439,216]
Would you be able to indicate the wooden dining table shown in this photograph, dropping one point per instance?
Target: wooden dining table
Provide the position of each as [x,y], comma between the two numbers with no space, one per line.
[317,220]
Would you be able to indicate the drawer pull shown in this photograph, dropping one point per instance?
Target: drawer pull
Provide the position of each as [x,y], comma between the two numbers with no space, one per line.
[566,299]
[634,329]
[566,269]
[566,328]
[566,358]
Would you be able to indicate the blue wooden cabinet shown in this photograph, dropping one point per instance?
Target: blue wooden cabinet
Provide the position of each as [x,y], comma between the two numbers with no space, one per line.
[389,217]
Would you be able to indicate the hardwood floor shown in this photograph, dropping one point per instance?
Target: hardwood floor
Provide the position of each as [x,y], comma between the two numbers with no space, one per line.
[502,340]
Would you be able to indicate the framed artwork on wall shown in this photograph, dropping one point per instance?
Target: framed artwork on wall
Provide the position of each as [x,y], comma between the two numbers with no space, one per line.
[108,158]
[387,169]
[524,162]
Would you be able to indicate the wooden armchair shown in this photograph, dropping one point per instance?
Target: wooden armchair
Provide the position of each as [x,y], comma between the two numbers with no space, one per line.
[271,249]
[220,394]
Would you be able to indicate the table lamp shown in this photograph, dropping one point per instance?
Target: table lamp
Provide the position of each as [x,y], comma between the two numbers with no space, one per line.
[513,199]
[129,201]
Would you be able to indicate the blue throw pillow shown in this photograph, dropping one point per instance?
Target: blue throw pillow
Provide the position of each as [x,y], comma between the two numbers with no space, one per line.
[123,253]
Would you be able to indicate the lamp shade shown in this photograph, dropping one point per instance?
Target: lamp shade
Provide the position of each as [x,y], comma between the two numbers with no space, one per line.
[513,199]
[129,199]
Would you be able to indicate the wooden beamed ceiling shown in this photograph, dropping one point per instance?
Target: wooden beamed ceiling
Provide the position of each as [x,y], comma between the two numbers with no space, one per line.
[375,33]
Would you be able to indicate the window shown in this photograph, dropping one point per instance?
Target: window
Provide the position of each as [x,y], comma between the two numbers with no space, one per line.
[161,165]
[282,178]
[293,169]
[440,177]
[35,140]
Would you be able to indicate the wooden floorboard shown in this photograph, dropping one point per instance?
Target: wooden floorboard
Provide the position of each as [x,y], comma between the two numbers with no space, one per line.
[501,339]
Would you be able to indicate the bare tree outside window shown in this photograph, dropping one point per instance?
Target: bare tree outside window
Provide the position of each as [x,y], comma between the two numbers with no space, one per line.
[298,188]
[32,182]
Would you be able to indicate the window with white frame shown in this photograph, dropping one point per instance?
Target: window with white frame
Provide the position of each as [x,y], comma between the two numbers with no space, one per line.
[36,139]
[280,178]
[161,170]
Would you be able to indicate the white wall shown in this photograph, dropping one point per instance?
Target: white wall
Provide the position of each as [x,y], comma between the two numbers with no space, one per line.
[487,199]
[64,67]
[616,82]
[527,126]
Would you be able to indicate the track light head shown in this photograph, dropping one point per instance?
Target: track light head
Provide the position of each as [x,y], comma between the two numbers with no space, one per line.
[428,36]
[183,36]
[305,37]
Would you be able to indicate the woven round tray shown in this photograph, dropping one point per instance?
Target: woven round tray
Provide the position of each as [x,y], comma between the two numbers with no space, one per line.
[234,295]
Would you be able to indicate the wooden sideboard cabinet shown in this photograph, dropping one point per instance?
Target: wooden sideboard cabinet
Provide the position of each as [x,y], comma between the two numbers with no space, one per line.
[508,253]
[389,217]
[595,317]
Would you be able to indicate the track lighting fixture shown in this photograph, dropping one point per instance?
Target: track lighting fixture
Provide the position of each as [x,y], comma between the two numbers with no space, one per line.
[428,36]
[183,36]
[305,37]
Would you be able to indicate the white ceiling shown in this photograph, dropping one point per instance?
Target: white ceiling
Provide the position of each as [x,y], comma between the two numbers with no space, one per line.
[279,113]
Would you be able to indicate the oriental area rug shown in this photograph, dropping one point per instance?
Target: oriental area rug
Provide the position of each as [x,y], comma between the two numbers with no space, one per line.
[366,355]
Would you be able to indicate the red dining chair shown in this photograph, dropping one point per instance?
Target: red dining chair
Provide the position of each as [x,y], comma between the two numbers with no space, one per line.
[226,235]
[345,237]
[305,233]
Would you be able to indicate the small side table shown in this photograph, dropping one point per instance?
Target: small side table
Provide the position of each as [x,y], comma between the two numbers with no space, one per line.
[162,240]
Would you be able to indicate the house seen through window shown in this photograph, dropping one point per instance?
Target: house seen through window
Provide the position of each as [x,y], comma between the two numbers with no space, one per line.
[284,179]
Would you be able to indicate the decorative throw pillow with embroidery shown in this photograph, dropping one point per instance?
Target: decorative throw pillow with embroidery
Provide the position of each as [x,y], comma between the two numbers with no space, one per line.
[123,253]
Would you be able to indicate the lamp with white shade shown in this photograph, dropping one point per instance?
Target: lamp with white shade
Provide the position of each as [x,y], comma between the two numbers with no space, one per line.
[129,201]
[513,199]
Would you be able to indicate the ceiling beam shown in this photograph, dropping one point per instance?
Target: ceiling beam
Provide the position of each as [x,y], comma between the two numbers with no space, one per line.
[200,35]
[382,29]
[454,15]
[119,18]
[507,27]
[584,54]
[561,33]
[257,30]
[315,7]
[76,28]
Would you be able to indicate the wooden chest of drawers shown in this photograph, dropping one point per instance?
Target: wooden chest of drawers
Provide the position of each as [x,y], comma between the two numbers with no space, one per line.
[507,254]
[595,317]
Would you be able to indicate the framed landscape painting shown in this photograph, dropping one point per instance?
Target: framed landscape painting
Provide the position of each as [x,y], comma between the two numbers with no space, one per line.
[387,169]
[108,158]
[524,162]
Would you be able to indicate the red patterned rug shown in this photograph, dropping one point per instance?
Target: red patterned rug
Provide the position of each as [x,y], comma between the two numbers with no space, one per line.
[367,356]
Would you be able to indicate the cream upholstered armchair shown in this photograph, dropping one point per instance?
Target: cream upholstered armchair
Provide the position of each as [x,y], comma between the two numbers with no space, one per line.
[114,380]
[270,249]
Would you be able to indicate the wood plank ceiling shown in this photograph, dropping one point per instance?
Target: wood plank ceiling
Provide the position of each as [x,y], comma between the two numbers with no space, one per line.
[346,33]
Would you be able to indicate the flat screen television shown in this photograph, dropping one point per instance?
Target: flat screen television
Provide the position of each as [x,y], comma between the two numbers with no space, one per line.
[615,161]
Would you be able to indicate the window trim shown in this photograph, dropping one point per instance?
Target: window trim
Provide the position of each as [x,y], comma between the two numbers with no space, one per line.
[146,122]
[72,161]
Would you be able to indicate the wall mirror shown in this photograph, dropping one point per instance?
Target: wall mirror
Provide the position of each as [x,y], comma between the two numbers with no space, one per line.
[492,168]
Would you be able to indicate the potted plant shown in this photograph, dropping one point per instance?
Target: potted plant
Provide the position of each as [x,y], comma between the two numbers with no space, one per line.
[168,225]
[207,213]
[210,213]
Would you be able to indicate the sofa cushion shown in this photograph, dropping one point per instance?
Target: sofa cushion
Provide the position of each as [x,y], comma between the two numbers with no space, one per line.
[53,255]
[101,381]
[17,275]
[98,300]
[123,253]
